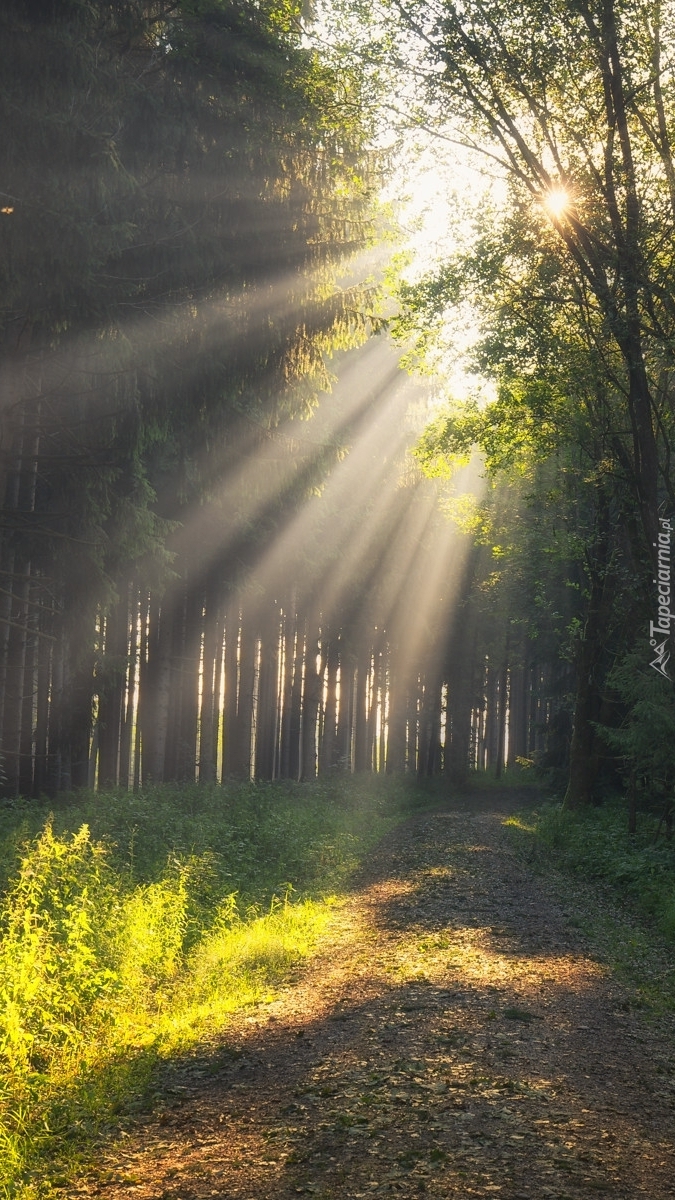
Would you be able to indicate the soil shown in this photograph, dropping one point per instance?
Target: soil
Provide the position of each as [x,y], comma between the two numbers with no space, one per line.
[455,1036]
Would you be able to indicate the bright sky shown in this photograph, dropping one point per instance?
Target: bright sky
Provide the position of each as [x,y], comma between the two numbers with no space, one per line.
[436,190]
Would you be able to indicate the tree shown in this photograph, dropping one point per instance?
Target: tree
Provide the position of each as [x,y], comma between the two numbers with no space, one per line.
[569,98]
[572,282]
[181,182]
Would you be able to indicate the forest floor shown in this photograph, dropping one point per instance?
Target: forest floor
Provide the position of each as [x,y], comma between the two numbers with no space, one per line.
[457,1035]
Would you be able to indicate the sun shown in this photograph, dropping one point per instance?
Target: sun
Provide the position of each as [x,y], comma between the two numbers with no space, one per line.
[557,201]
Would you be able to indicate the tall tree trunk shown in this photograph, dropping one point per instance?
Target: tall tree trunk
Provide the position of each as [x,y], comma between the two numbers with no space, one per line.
[583,759]
[186,767]
[30,690]
[58,768]
[112,686]
[156,692]
[327,749]
[492,714]
[15,681]
[503,693]
[81,716]
[208,714]
[232,630]
[312,696]
[243,740]
[17,731]
[462,659]
[135,678]
[373,708]
[396,734]
[44,674]
[345,712]
[295,708]
[518,706]
[268,699]
[361,743]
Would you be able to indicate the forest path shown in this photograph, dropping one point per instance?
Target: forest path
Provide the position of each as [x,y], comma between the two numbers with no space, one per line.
[454,1037]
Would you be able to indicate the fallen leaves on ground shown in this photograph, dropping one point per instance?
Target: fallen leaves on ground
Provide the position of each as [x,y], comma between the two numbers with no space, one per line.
[455,1038]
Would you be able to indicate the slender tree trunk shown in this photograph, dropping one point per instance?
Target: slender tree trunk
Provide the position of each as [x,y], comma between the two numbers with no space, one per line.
[462,659]
[44,671]
[288,634]
[208,714]
[30,691]
[373,708]
[135,675]
[327,750]
[295,710]
[243,744]
[231,688]
[111,691]
[15,681]
[312,697]
[583,759]
[518,706]
[345,713]
[189,684]
[80,695]
[156,692]
[396,739]
[58,769]
[491,715]
[361,741]
[268,700]
[503,697]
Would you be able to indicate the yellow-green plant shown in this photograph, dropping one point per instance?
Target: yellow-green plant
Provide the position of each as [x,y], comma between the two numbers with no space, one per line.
[52,953]
[104,968]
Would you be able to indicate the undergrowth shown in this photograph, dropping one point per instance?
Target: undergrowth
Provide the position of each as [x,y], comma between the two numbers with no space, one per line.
[133,925]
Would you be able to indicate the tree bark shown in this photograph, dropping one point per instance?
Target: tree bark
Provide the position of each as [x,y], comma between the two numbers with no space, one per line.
[312,697]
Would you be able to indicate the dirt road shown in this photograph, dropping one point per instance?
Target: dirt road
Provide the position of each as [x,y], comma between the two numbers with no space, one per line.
[455,1037]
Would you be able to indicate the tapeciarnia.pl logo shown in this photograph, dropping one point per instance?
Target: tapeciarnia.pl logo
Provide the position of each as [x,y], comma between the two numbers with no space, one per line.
[661,627]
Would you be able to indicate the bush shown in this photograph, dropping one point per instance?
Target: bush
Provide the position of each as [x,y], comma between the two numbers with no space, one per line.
[134,924]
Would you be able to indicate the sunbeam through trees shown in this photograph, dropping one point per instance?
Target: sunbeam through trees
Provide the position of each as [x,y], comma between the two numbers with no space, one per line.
[219,557]
[337,359]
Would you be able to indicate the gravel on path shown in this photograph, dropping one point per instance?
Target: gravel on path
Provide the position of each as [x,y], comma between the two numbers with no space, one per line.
[455,1036]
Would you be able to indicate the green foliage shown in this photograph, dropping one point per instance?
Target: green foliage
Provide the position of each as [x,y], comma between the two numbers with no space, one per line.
[257,836]
[134,941]
[646,737]
[52,963]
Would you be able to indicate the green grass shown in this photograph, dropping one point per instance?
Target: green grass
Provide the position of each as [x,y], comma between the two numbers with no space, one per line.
[135,925]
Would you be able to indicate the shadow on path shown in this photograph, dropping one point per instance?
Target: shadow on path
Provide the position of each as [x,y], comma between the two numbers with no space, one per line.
[454,1038]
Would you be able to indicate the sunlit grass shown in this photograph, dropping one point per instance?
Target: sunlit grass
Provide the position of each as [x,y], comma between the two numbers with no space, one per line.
[117,956]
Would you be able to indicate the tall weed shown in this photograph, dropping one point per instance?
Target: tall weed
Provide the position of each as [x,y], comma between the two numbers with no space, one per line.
[134,924]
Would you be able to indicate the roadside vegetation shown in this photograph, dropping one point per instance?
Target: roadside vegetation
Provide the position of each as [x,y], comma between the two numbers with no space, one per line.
[135,924]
